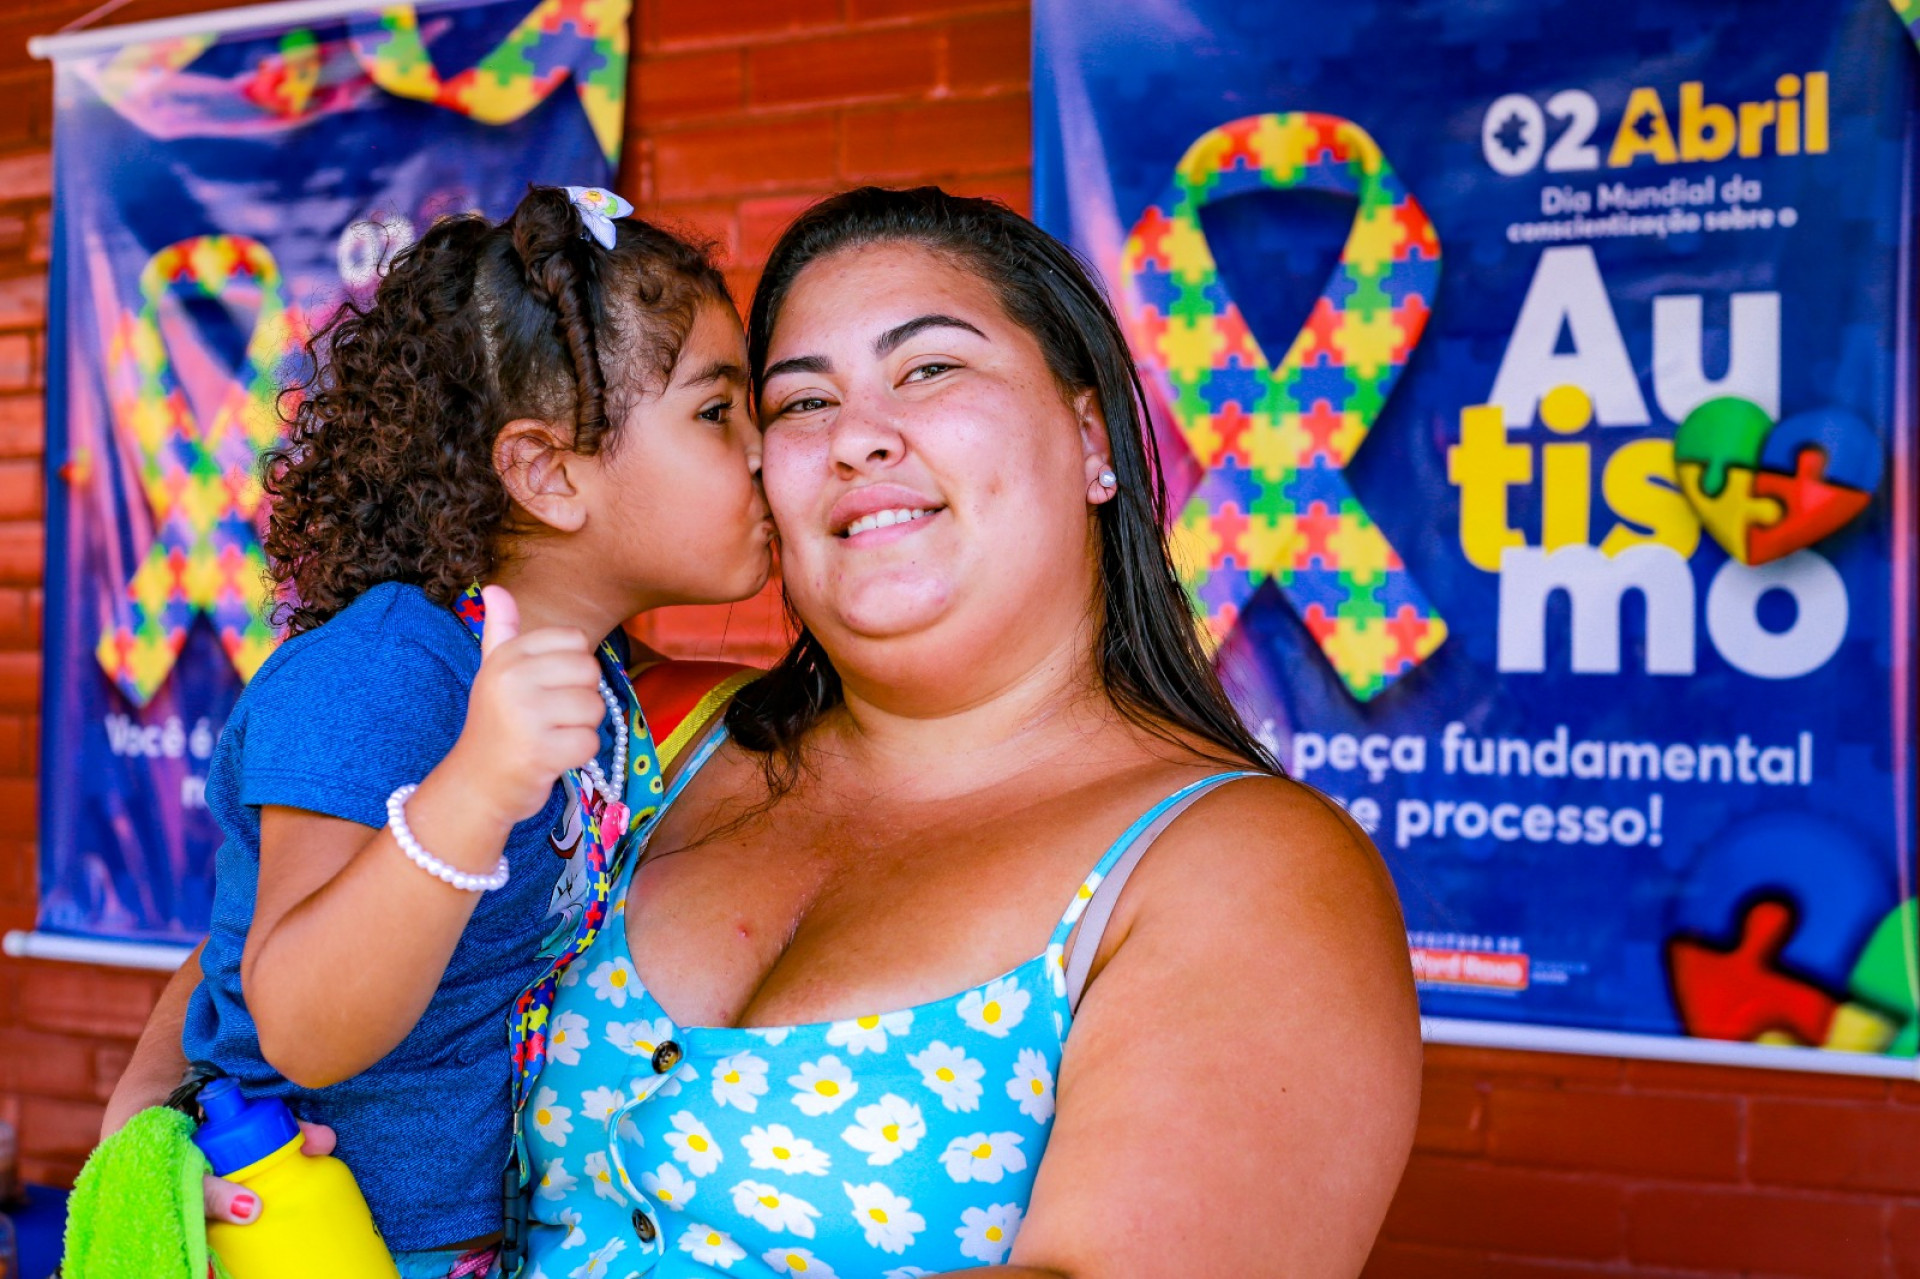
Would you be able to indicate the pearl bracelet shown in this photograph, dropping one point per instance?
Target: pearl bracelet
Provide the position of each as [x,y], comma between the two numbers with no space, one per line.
[397,823]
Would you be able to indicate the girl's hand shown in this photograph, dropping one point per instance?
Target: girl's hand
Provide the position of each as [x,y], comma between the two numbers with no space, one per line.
[535,711]
[238,1206]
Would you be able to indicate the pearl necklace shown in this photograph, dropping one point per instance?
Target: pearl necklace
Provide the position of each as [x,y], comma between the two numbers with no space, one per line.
[596,778]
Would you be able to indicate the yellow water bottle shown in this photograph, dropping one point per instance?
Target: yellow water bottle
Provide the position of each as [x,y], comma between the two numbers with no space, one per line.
[313,1222]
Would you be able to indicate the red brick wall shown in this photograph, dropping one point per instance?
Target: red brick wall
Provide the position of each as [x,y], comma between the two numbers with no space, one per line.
[1527,1166]
[742,114]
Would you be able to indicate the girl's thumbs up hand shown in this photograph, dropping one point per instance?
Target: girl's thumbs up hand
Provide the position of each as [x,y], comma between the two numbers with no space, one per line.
[534,713]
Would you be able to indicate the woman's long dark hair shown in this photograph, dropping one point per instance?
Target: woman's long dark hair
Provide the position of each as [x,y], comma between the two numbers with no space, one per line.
[1151,662]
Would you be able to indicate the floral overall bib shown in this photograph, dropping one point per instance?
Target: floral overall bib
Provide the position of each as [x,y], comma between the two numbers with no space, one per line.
[893,1145]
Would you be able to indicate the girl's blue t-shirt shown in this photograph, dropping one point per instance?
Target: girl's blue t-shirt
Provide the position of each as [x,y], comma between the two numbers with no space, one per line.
[334,721]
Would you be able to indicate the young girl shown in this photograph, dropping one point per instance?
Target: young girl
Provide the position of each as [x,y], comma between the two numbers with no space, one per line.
[554,405]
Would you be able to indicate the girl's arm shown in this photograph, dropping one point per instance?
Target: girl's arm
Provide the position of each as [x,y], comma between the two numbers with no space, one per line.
[1239,1092]
[349,939]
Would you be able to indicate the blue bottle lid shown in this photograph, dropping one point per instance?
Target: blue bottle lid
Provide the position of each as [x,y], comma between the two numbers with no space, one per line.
[239,1132]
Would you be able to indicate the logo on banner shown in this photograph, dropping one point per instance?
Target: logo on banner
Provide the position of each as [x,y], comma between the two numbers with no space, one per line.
[1765,492]
[1274,503]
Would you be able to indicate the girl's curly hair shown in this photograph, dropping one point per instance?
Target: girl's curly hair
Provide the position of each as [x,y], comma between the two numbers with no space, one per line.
[386,470]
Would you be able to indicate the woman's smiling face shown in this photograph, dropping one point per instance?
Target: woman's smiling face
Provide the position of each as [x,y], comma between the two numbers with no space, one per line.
[928,473]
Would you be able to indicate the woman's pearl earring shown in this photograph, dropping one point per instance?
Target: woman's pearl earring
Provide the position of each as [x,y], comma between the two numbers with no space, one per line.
[1108,479]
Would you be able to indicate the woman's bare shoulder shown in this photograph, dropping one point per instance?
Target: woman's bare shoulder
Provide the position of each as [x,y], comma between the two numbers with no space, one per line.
[1280,866]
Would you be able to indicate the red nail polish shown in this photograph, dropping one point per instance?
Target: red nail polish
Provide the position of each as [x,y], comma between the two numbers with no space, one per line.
[244,1206]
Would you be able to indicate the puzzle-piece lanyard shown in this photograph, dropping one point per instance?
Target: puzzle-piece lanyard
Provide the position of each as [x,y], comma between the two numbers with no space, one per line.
[604,827]
[1274,502]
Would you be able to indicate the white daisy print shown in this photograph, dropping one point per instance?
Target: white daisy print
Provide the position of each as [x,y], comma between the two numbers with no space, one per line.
[740,1081]
[553,1123]
[693,1145]
[773,1036]
[669,1186]
[869,1034]
[888,1219]
[598,1104]
[567,1037]
[570,1218]
[639,1038]
[556,1181]
[600,1262]
[613,981]
[711,1247]
[886,1130]
[953,1076]
[602,1178]
[823,1086]
[1057,969]
[995,1010]
[1031,1087]
[906,1272]
[797,1261]
[983,1157]
[775,1209]
[776,1147]
[986,1234]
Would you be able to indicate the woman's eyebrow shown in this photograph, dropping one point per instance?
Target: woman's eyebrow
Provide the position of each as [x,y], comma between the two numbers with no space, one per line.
[893,337]
[882,345]
[798,364]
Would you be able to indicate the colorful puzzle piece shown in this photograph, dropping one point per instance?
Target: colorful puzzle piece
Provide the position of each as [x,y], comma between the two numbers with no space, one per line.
[1882,978]
[1273,504]
[1765,491]
[1730,513]
[1740,991]
[284,82]
[1812,508]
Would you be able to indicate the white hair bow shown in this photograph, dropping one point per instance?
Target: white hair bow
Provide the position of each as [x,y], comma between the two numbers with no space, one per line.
[598,208]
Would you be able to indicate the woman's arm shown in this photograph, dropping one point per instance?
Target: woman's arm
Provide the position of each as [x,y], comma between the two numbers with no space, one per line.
[156,1068]
[1239,1092]
[157,1064]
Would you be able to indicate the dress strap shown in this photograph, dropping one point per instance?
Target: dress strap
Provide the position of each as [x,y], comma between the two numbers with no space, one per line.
[1093,905]
[702,752]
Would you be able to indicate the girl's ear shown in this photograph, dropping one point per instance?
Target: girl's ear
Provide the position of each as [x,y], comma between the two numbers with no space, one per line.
[535,464]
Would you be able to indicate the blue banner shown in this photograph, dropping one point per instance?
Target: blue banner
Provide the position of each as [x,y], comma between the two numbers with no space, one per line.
[1535,380]
[216,199]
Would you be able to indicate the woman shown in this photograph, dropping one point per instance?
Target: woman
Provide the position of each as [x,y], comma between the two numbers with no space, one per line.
[984,935]
[836,1025]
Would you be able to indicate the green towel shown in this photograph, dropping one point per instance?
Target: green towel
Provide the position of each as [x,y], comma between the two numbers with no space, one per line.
[136,1211]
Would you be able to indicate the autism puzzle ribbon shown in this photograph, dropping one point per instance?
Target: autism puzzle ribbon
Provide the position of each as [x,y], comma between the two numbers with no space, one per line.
[586,39]
[1274,502]
[202,483]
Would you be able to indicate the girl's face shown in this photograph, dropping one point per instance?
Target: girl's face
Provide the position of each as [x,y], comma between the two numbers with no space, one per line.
[931,480]
[685,519]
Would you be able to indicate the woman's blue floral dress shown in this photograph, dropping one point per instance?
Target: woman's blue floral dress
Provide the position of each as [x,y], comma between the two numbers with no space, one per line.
[892,1145]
